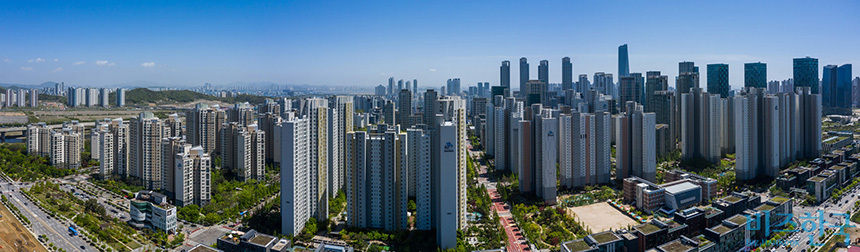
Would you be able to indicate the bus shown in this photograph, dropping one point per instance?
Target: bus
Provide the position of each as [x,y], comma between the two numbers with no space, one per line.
[73,231]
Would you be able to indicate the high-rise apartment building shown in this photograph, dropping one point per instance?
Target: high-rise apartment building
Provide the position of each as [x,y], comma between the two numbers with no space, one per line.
[34,98]
[106,152]
[104,99]
[536,92]
[296,183]
[379,163]
[583,84]
[755,75]
[757,131]
[584,146]
[809,107]
[453,86]
[120,97]
[121,137]
[603,83]
[700,125]
[243,151]
[404,110]
[39,139]
[806,73]
[170,147]
[419,152]
[145,150]
[718,79]
[243,113]
[193,177]
[316,111]
[340,122]
[203,124]
[538,152]
[636,144]
[623,61]
[448,176]
[653,82]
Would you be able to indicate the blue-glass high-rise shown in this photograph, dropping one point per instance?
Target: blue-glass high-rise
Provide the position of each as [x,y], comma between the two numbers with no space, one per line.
[718,79]
[806,73]
[566,74]
[505,74]
[755,75]
[524,72]
[843,86]
[828,86]
[623,62]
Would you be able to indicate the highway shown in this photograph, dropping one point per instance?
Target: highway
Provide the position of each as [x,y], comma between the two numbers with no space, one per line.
[56,231]
[831,208]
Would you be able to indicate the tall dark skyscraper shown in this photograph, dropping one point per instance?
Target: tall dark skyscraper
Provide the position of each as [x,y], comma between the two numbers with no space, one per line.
[630,89]
[543,71]
[390,86]
[836,86]
[623,62]
[654,82]
[718,79]
[524,72]
[686,67]
[755,75]
[414,87]
[566,74]
[399,86]
[505,74]
[806,73]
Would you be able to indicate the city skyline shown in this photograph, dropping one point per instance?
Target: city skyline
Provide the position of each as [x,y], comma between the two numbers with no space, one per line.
[188,44]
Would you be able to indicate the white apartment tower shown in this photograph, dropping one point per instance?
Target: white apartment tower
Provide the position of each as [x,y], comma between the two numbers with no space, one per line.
[316,111]
[145,150]
[584,144]
[700,125]
[419,165]
[295,173]
[193,177]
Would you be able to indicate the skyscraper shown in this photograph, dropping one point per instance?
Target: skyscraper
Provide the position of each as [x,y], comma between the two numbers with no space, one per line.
[566,74]
[757,134]
[543,71]
[828,86]
[755,75]
[603,83]
[419,149]
[390,86]
[524,72]
[718,79]
[170,147]
[453,86]
[843,86]
[636,144]
[806,73]
[449,170]
[686,67]
[243,151]
[623,62]
[120,97]
[404,110]
[809,105]
[582,85]
[34,98]
[106,153]
[104,99]
[505,74]
[295,178]
[630,89]
[653,82]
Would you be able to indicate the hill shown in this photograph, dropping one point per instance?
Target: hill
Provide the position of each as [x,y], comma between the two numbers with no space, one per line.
[143,96]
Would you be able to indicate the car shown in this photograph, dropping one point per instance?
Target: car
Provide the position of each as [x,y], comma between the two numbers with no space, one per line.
[82,247]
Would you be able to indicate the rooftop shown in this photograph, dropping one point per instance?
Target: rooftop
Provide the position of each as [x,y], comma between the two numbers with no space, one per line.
[721,229]
[732,199]
[739,219]
[816,179]
[765,207]
[837,168]
[604,237]
[261,240]
[779,199]
[676,246]
[204,248]
[647,228]
[682,187]
[577,245]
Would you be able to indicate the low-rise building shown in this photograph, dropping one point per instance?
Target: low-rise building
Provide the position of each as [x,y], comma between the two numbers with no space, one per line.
[252,241]
[730,235]
[150,209]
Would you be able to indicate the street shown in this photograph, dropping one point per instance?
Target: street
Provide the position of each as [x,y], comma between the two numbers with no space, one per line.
[833,209]
[56,231]
[516,241]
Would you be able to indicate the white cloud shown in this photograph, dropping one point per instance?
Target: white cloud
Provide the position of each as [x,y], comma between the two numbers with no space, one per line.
[104,63]
[55,60]
[147,64]
[26,69]
[79,63]
[36,60]
[7,60]
[432,69]
[59,69]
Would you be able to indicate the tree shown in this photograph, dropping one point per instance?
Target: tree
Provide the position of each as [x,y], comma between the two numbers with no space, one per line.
[189,213]
[411,205]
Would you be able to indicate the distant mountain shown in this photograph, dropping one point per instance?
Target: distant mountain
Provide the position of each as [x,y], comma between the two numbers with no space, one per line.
[143,96]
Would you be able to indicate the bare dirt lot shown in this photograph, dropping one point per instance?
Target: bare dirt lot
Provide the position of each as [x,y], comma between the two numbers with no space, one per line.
[12,118]
[601,216]
[13,235]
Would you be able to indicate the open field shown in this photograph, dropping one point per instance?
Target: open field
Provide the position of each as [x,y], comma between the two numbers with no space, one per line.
[601,216]
[13,235]
[13,118]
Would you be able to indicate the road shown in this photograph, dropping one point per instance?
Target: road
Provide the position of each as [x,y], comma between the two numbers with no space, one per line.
[516,242]
[831,206]
[42,224]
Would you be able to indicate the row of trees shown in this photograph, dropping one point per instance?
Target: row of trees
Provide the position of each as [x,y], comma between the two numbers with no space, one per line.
[15,162]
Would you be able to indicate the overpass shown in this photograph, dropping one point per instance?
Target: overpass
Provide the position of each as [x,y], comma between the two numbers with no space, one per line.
[22,130]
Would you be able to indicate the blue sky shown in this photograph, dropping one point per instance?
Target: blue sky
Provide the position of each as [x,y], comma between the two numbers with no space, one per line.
[362,43]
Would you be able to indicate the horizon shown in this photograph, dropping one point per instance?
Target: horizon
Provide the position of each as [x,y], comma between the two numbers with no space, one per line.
[363,44]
